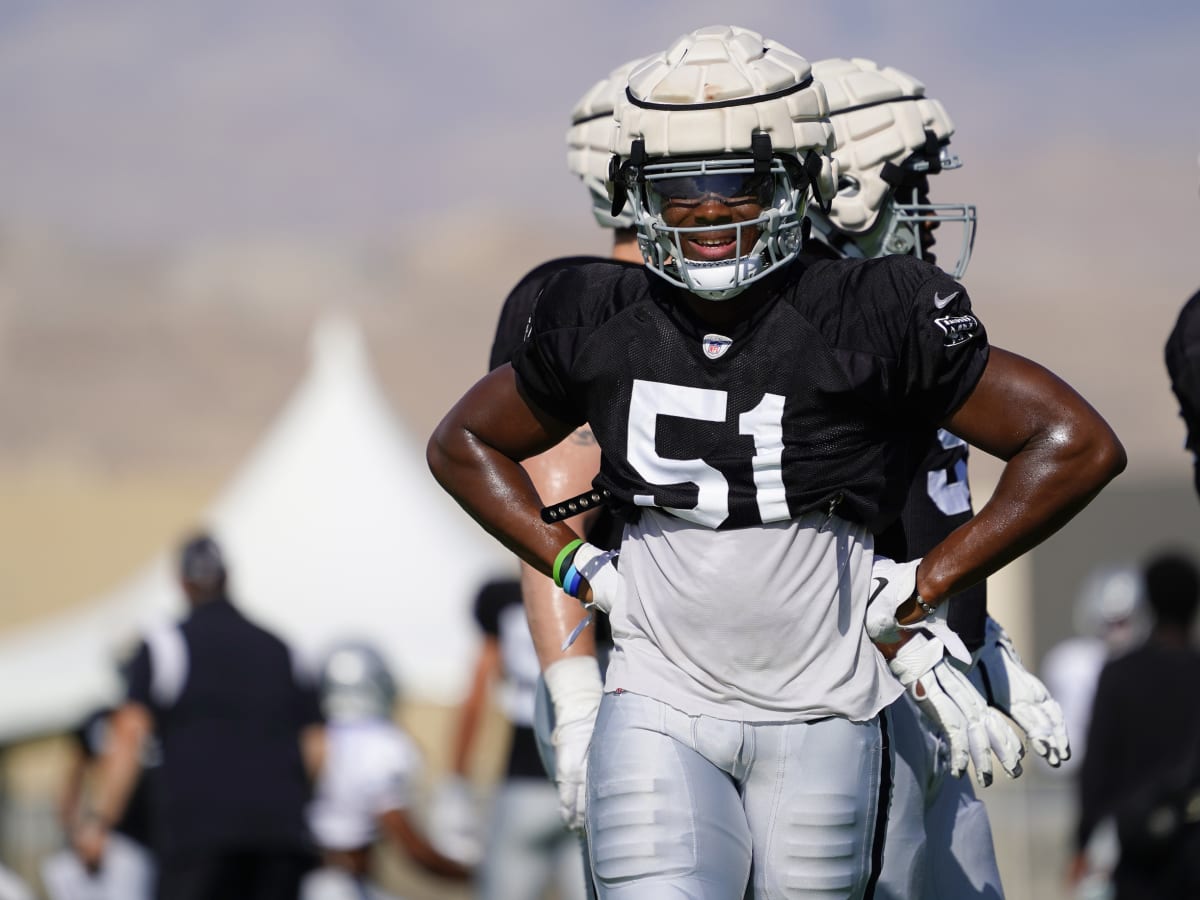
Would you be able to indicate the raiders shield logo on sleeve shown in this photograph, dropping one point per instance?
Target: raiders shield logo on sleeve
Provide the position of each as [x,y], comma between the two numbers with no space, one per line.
[957,329]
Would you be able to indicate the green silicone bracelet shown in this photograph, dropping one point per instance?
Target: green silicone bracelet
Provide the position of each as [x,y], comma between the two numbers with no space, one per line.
[561,558]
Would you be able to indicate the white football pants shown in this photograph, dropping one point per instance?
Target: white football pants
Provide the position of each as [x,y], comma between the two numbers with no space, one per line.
[939,840]
[697,807]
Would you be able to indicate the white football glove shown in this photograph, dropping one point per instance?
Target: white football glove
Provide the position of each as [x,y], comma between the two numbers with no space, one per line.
[455,821]
[974,731]
[892,585]
[598,570]
[575,690]
[1001,677]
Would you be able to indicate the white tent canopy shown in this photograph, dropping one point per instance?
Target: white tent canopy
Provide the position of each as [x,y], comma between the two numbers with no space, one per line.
[333,528]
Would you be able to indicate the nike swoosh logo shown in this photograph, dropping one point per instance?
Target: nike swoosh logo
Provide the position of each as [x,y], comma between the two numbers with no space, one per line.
[941,302]
[882,582]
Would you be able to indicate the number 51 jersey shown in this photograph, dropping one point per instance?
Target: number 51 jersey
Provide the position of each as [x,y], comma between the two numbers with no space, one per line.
[822,397]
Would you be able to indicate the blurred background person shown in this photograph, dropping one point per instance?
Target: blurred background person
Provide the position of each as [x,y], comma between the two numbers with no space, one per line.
[241,736]
[1143,745]
[1109,619]
[527,849]
[128,870]
[367,783]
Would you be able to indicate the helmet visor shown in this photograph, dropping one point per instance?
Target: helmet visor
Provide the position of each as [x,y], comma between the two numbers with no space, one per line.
[731,182]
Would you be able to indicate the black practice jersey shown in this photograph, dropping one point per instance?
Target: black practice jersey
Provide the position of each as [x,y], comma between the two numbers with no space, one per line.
[822,397]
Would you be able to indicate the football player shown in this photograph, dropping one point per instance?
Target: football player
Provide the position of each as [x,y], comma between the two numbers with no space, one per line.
[366,784]
[758,421]
[891,138]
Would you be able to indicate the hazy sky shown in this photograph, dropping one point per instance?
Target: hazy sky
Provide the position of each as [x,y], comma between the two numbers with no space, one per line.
[144,117]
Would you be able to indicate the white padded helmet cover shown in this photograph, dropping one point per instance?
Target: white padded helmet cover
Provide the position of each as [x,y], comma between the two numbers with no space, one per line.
[590,140]
[725,63]
[874,131]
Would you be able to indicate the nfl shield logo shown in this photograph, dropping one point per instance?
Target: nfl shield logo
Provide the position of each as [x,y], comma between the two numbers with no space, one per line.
[715,345]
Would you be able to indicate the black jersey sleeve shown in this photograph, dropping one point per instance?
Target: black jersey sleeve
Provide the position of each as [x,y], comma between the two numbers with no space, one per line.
[944,349]
[140,676]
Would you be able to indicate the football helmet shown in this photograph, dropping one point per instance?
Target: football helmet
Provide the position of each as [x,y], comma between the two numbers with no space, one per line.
[724,115]
[356,683]
[890,139]
[590,140]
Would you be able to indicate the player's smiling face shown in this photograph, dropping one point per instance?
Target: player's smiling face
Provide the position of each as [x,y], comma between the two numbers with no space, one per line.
[715,204]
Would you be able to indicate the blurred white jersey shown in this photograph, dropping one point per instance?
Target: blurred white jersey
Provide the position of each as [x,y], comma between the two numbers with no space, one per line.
[1071,671]
[758,624]
[371,767]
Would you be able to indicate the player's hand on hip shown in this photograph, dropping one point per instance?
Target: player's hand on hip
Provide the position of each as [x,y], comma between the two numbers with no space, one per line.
[575,690]
[1002,678]
[893,585]
[974,731]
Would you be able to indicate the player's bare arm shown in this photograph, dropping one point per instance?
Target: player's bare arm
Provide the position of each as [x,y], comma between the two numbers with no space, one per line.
[1059,453]
[475,453]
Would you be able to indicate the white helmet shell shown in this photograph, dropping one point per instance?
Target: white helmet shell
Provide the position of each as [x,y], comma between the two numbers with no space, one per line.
[882,119]
[712,96]
[590,139]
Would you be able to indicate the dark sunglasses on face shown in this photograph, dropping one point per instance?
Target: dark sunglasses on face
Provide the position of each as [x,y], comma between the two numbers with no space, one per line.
[733,188]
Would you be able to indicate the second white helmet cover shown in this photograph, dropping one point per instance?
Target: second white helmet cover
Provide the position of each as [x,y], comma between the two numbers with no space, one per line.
[890,137]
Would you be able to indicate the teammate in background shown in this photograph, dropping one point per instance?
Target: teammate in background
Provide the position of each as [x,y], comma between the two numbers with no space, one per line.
[890,140]
[1109,620]
[366,785]
[241,737]
[1150,787]
[746,411]
[1183,365]
[569,693]
[128,870]
[528,848]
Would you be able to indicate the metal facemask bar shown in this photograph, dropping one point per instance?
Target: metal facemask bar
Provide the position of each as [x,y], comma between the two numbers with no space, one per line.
[916,219]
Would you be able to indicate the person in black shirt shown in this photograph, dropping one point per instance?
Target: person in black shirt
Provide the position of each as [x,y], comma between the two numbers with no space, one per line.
[1143,746]
[1183,365]
[757,419]
[241,736]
